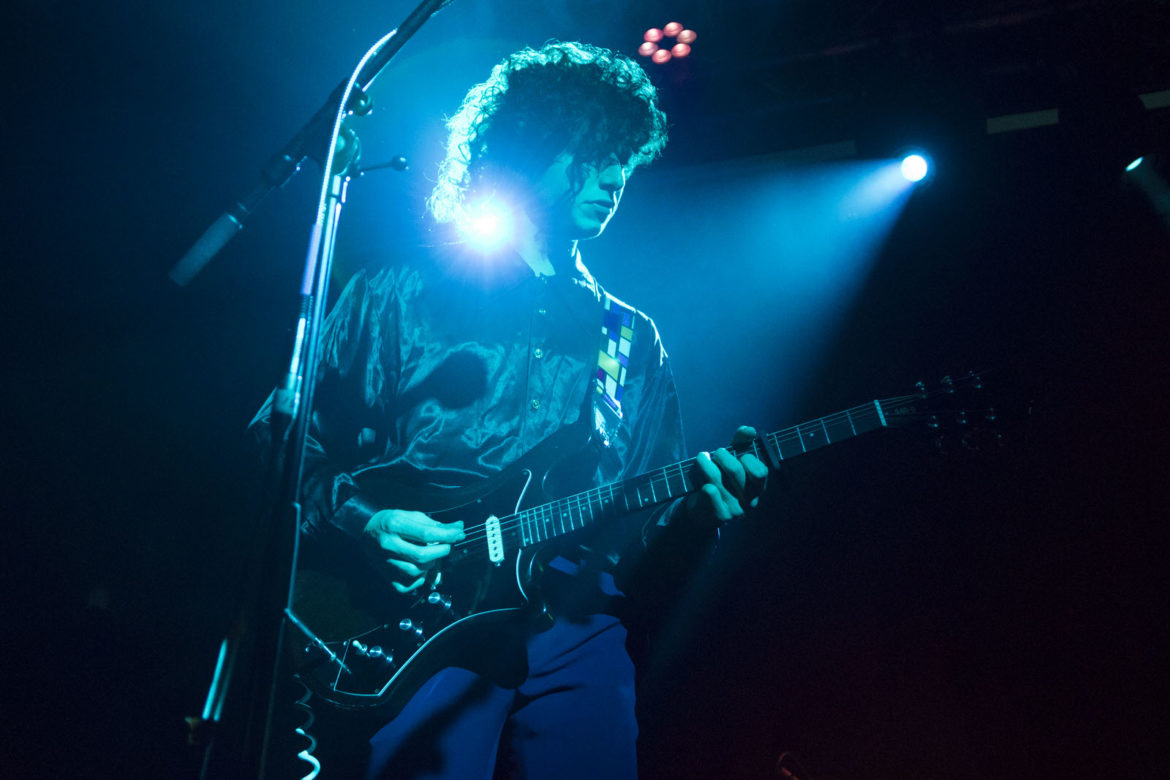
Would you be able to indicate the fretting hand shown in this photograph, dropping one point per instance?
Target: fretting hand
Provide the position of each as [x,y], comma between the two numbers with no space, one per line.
[729,484]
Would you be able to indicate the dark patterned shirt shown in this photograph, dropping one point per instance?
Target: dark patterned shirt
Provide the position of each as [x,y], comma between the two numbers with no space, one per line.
[444,374]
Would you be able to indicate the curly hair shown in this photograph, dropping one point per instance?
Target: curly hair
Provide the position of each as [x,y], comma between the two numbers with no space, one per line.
[537,103]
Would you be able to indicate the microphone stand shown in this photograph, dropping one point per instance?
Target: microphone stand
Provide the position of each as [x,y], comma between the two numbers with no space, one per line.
[256,634]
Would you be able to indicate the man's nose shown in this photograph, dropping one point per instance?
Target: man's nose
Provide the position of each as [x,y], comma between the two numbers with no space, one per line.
[613,177]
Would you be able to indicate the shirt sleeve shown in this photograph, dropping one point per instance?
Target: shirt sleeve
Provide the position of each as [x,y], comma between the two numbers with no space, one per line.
[349,376]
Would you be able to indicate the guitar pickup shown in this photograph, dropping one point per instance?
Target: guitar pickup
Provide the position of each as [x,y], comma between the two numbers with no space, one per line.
[495,540]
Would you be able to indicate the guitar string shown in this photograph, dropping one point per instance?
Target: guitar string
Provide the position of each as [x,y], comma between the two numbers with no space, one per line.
[556,511]
[553,510]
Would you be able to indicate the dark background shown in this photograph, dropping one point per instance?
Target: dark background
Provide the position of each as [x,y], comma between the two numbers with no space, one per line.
[893,611]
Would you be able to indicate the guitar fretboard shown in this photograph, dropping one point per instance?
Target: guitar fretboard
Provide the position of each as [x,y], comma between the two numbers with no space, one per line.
[575,513]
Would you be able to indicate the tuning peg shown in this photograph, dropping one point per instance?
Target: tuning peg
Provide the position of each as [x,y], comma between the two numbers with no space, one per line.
[933,423]
[961,418]
[921,388]
[976,380]
[990,415]
[948,384]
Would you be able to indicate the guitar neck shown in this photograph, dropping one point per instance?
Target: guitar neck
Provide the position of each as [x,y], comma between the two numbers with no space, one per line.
[575,513]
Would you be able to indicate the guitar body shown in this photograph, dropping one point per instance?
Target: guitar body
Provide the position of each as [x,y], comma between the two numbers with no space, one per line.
[377,646]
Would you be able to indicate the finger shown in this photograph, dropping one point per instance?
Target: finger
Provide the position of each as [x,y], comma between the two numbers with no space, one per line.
[408,587]
[756,473]
[744,434]
[713,504]
[712,474]
[734,476]
[406,567]
[405,549]
[709,473]
[757,478]
[418,527]
[754,467]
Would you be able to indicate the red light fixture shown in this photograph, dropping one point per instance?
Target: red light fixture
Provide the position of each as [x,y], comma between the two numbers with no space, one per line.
[663,54]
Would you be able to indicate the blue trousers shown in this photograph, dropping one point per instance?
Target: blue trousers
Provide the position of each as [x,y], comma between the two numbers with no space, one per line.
[572,718]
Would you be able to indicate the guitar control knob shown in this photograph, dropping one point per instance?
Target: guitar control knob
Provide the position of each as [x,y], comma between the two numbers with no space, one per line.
[406,624]
[375,651]
[439,600]
[358,646]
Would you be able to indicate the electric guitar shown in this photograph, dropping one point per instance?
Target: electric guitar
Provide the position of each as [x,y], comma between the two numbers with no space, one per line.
[363,645]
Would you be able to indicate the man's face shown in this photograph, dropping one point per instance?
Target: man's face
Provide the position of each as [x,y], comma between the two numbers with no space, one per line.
[577,211]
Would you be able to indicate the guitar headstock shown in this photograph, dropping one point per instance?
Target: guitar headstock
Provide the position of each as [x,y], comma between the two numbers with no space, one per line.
[954,410]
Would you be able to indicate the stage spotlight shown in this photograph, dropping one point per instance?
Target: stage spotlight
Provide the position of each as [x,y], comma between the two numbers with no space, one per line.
[486,226]
[1133,165]
[915,167]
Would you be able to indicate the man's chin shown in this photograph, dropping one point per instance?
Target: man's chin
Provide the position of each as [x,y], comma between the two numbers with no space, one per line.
[589,230]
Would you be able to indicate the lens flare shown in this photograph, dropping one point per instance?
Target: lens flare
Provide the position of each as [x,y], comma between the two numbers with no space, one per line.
[486,226]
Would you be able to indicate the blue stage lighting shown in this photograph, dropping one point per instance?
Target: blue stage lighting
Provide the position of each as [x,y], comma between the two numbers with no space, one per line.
[915,167]
[486,226]
[1133,165]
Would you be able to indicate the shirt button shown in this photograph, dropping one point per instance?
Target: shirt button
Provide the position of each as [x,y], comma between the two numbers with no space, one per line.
[542,311]
[538,353]
[535,403]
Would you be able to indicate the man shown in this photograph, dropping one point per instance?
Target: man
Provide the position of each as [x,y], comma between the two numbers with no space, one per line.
[446,372]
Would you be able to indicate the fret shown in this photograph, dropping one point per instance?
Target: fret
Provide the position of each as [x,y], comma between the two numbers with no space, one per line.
[868,418]
[643,500]
[826,430]
[788,445]
[838,427]
[849,417]
[653,497]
